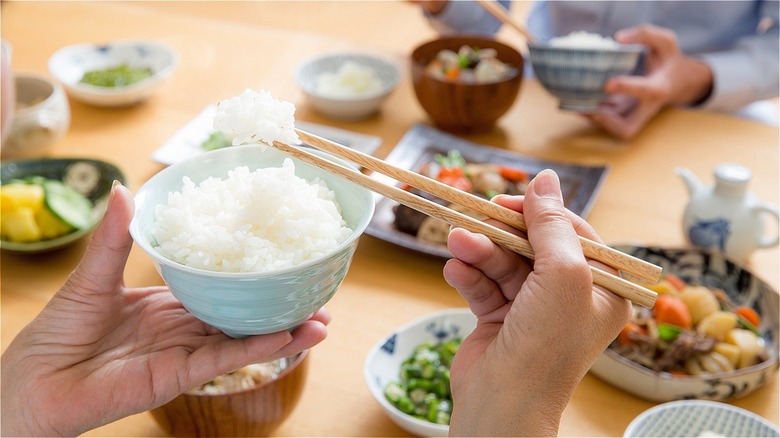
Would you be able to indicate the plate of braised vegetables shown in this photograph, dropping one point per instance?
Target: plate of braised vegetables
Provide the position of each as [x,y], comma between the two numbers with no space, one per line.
[712,334]
[478,169]
[52,202]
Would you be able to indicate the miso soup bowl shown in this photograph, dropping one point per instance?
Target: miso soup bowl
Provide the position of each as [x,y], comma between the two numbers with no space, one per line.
[245,303]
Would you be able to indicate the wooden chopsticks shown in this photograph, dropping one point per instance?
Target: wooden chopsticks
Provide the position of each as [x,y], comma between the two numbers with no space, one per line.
[602,253]
[498,11]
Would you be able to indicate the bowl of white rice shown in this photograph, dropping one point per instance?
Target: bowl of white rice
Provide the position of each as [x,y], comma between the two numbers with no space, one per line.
[249,240]
[347,86]
[575,67]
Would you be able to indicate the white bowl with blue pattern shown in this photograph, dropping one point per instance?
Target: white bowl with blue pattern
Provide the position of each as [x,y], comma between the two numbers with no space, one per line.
[251,303]
[743,288]
[69,64]
[383,362]
[699,418]
[576,76]
[351,108]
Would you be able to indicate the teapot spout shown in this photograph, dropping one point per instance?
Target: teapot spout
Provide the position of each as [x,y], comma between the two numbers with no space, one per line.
[692,183]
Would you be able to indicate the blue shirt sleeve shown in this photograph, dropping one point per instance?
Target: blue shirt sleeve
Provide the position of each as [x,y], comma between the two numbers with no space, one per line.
[461,16]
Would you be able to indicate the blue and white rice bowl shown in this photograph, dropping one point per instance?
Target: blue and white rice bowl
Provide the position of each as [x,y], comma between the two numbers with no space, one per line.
[383,362]
[743,288]
[686,418]
[70,63]
[576,76]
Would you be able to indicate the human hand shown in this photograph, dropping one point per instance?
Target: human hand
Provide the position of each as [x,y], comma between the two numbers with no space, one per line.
[671,79]
[540,325]
[432,6]
[100,351]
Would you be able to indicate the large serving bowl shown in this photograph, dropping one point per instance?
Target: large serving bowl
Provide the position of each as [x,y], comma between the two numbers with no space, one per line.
[254,411]
[576,75]
[460,106]
[62,169]
[688,418]
[41,117]
[248,303]
[70,63]
[348,106]
[743,288]
[383,362]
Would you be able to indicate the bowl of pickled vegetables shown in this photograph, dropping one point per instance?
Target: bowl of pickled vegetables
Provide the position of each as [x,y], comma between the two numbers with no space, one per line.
[47,204]
[119,73]
[408,372]
[712,334]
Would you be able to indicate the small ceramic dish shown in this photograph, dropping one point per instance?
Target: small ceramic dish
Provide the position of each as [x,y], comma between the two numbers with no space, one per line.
[699,418]
[576,75]
[383,362]
[40,119]
[101,173]
[710,269]
[250,303]
[70,63]
[347,86]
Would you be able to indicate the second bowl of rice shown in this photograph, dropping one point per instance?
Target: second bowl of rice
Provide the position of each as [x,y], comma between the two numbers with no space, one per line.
[249,240]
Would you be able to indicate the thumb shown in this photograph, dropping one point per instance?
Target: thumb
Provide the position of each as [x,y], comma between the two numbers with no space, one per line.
[103,264]
[550,231]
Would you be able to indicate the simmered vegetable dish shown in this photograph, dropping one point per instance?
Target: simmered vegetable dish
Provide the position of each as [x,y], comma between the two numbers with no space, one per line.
[692,330]
[424,388]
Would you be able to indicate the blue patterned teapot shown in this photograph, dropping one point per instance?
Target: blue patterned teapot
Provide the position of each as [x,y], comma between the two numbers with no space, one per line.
[725,216]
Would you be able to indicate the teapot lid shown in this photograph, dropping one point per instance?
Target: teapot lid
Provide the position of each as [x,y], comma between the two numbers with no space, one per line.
[732,173]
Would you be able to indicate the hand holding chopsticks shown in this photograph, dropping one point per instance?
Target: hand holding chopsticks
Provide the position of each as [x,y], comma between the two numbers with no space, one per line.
[498,11]
[592,250]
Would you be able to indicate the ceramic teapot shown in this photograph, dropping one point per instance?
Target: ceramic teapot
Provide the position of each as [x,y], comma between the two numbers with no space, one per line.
[725,216]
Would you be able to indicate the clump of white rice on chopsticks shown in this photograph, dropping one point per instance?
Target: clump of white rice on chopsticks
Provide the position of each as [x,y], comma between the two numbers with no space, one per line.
[256,117]
[252,221]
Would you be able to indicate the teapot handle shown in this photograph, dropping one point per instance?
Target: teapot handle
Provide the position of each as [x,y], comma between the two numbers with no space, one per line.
[772,210]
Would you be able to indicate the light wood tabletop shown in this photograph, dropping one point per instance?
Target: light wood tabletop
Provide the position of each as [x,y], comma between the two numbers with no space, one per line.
[226,47]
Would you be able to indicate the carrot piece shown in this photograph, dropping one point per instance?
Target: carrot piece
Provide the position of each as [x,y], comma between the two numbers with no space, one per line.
[513,174]
[749,314]
[672,310]
[676,281]
[624,338]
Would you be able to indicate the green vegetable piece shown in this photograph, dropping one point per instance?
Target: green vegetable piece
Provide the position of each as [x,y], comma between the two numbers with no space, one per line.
[668,332]
[119,76]
[394,392]
[405,405]
[216,140]
[67,204]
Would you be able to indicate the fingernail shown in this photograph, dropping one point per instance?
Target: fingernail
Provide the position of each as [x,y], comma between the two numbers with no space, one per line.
[546,184]
[114,185]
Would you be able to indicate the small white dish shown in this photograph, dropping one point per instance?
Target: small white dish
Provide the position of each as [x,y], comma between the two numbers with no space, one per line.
[699,418]
[383,362]
[70,63]
[352,108]
[187,141]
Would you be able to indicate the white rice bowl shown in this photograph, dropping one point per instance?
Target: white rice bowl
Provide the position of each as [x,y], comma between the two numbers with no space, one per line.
[259,221]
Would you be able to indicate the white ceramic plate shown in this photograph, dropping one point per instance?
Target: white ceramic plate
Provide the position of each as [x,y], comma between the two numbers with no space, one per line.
[699,418]
[185,143]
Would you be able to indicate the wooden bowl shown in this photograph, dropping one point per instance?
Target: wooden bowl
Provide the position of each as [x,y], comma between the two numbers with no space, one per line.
[465,107]
[256,411]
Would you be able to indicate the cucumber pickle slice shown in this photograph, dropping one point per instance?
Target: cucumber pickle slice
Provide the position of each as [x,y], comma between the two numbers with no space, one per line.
[67,204]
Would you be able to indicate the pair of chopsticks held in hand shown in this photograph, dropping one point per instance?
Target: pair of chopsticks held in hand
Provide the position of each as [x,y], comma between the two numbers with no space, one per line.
[592,250]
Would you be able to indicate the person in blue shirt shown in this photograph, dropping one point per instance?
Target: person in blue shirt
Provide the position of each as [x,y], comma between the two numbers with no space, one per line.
[713,55]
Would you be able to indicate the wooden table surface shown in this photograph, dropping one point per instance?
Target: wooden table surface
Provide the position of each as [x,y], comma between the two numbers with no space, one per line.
[227,47]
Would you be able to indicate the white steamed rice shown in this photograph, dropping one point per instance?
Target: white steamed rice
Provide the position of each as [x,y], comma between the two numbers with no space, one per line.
[349,81]
[584,40]
[255,116]
[258,221]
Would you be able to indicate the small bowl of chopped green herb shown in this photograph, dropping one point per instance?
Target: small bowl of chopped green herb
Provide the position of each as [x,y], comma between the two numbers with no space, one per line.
[119,73]
[50,203]
[408,372]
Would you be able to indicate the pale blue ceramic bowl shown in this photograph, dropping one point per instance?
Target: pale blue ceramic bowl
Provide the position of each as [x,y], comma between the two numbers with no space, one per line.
[242,304]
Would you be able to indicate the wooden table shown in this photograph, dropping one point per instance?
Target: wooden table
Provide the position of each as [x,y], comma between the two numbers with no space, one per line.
[231,46]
